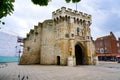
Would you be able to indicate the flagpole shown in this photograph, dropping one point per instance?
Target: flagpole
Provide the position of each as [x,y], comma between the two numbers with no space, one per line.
[76,6]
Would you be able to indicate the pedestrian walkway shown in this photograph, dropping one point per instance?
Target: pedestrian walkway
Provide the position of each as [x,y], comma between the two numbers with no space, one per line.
[52,72]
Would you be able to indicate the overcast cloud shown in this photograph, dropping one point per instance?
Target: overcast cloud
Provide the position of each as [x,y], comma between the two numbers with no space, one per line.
[105,16]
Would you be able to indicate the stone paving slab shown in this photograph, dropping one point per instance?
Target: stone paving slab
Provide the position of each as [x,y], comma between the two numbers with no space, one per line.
[52,72]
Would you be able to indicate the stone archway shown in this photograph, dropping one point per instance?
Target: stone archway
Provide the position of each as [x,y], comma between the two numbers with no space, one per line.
[78,54]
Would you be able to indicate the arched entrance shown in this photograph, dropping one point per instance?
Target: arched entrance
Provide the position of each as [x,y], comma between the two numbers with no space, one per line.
[79,55]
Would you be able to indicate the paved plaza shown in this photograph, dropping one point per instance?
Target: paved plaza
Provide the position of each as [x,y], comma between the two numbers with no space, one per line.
[103,71]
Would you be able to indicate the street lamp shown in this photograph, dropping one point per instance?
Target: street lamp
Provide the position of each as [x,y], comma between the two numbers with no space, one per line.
[19,55]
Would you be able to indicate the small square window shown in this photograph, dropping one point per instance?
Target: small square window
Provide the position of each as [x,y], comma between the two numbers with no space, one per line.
[67,35]
[28,48]
[72,35]
[36,33]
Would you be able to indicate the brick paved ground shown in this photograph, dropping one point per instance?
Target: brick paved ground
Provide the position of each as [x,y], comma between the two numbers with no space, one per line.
[52,72]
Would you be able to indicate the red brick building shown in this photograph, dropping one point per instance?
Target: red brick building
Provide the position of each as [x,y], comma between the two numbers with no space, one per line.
[118,45]
[107,47]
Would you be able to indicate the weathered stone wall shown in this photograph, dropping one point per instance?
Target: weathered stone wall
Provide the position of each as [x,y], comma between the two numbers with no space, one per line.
[94,57]
[32,47]
[61,41]
[47,43]
[61,49]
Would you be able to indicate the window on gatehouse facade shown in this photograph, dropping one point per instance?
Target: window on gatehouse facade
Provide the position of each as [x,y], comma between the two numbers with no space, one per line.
[28,48]
[78,30]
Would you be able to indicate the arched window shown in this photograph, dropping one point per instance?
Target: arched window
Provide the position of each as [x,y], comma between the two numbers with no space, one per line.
[66,18]
[78,30]
[81,21]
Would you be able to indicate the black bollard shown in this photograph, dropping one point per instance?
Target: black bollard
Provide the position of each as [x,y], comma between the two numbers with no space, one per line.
[19,77]
[23,77]
[6,65]
[27,77]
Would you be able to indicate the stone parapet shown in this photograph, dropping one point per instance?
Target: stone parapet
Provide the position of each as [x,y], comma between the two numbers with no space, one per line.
[71,13]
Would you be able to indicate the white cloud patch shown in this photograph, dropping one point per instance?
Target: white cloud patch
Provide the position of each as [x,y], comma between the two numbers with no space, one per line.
[117,34]
[26,15]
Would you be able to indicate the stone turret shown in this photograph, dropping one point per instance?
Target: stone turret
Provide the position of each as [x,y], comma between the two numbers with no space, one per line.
[67,14]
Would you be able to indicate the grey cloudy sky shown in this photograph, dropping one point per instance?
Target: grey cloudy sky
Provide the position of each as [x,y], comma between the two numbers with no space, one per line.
[105,16]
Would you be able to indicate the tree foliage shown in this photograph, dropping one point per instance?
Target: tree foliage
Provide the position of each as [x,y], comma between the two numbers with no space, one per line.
[41,2]
[74,1]
[45,2]
[3,23]
[6,7]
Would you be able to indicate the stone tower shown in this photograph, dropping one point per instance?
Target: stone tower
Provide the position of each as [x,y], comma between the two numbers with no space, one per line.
[63,40]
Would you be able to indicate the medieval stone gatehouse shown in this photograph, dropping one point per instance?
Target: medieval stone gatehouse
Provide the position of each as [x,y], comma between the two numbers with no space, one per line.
[64,39]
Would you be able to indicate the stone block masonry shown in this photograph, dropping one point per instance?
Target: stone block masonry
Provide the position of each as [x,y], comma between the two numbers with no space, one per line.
[66,35]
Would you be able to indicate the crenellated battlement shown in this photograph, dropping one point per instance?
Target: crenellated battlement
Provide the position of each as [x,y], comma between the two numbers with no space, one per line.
[38,27]
[63,12]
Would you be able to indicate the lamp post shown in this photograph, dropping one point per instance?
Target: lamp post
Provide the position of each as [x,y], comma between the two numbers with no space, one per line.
[76,6]
[19,55]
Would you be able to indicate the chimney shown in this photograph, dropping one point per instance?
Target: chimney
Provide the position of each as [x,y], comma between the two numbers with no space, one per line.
[111,33]
[119,39]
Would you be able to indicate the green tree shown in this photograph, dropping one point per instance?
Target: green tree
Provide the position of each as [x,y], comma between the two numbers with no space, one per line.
[45,2]
[7,7]
[74,1]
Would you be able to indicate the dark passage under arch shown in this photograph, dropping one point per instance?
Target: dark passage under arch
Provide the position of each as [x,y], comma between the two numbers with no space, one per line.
[58,60]
[78,55]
